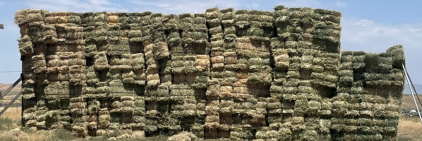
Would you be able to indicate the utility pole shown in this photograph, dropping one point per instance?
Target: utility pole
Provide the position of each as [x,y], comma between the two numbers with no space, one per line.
[1,26]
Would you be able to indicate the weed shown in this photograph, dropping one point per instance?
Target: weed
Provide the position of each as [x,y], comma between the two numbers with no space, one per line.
[7,124]
[62,134]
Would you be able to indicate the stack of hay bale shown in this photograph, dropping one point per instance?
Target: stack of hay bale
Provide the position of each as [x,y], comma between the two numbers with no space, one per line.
[78,110]
[183,106]
[75,45]
[199,35]
[259,71]
[198,127]
[92,116]
[214,127]
[127,109]
[186,23]
[218,20]
[115,117]
[138,66]
[294,106]
[261,25]
[116,43]
[89,34]
[346,102]
[285,95]
[197,69]
[174,40]
[161,55]
[103,121]
[65,118]
[91,79]
[192,36]
[101,29]
[327,30]
[229,46]
[108,35]
[153,78]
[379,83]
[325,69]
[214,18]
[355,89]
[307,95]
[236,76]
[313,116]
[212,119]
[202,58]
[326,26]
[51,118]
[395,94]
[31,23]
[259,120]
[233,76]
[47,119]
[138,117]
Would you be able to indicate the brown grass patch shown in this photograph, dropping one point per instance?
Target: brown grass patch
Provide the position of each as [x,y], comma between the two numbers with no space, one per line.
[410,129]
[407,102]
[410,126]
[13,113]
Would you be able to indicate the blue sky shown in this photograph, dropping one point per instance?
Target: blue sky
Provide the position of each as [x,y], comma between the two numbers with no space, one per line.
[372,26]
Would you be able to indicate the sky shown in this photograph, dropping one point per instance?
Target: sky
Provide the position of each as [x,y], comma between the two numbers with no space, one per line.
[371,26]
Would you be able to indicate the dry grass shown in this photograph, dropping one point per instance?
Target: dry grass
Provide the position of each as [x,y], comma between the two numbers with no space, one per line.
[407,102]
[13,113]
[410,126]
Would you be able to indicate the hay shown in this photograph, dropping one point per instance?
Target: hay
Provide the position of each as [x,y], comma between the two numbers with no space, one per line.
[234,66]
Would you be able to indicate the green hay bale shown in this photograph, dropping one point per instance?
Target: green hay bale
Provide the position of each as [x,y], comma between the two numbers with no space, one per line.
[340,107]
[325,125]
[337,124]
[280,7]
[341,97]
[212,13]
[343,73]
[397,55]
[325,77]
[276,89]
[25,48]
[274,105]
[314,106]
[285,133]
[317,68]
[227,14]
[305,89]
[290,90]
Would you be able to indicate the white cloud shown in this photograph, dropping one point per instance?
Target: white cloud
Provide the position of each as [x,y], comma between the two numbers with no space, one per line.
[302,3]
[75,5]
[183,6]
[1,3]
[313,4]
[363,32]
[341,4]
[253,5]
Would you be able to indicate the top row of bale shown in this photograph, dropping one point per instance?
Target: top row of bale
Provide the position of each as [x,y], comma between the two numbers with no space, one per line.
[318,26]
[247,17]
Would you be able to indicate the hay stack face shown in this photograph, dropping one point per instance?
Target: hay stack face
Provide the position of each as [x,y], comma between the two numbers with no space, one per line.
[225,73]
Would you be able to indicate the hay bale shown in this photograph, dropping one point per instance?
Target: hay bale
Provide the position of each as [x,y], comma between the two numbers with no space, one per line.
[285,133]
